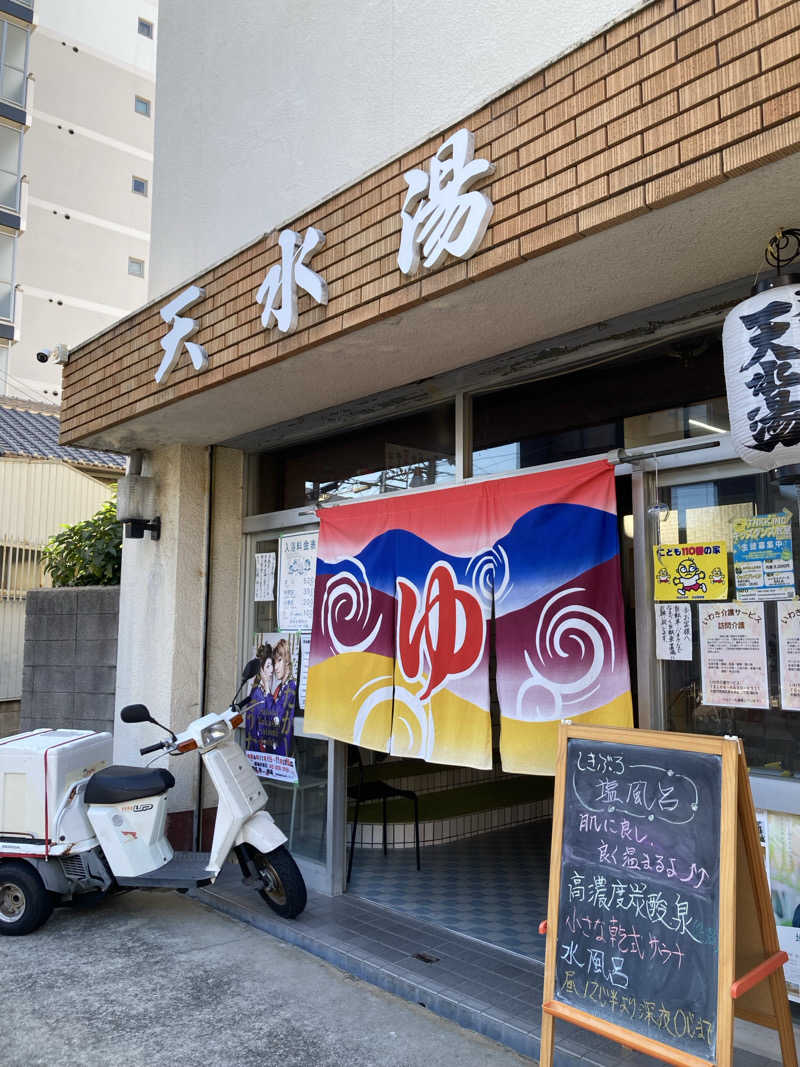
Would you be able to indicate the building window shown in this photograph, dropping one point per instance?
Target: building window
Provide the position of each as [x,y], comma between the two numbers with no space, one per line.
[139,185]
[146,28]
[136,267]
[142,106]
[10,150]
[13,63]
[8,248]
[388,457]
[623,403]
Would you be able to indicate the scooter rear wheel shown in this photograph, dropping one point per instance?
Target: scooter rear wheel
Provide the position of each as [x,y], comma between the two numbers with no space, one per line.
[24,902]
[284,889]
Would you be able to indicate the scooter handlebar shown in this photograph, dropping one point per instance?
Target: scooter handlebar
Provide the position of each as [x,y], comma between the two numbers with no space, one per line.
[152,748]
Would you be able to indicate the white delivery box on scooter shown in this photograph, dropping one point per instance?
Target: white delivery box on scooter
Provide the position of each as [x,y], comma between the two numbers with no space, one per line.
[37,771]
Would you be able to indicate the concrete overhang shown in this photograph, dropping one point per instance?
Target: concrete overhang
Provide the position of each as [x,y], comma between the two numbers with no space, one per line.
[691,245]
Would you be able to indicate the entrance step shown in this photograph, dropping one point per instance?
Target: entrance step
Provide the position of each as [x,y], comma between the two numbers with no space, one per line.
[490,990]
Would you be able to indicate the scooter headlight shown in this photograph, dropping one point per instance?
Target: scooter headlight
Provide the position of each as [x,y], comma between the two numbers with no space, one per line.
[216,732]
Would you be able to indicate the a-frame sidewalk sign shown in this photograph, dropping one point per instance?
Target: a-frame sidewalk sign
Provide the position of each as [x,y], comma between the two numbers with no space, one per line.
[659,925]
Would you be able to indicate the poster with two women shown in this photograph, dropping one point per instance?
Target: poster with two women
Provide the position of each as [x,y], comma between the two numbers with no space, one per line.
[271,706]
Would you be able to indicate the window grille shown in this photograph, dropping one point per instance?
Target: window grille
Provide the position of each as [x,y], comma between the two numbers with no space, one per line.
[20,570]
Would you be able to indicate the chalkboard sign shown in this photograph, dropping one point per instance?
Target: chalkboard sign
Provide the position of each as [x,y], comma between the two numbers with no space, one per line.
[658,897]
[639,905]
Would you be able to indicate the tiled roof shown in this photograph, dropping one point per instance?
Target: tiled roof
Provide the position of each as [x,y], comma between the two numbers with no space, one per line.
[28,432]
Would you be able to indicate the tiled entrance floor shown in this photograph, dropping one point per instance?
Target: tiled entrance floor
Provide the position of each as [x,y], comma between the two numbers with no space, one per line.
[492,887]
[488,989]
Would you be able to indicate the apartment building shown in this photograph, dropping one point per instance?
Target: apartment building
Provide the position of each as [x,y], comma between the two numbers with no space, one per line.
[76,160]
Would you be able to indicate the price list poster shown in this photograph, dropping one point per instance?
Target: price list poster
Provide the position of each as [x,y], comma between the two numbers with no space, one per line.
[638,914]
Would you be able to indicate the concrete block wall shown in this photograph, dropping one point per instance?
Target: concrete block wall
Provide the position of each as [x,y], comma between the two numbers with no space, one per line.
[9,717]
[70,658]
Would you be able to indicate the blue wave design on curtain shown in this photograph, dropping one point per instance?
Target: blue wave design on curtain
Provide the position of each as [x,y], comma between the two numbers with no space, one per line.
[546,547]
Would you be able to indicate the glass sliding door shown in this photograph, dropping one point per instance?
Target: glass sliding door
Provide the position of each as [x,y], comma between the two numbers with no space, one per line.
[301,809]
[701,507]
[746,686]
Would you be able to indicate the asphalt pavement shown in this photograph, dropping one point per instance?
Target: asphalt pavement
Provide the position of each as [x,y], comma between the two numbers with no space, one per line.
[150,978]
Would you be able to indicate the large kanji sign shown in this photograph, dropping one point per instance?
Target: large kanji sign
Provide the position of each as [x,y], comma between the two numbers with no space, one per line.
[761,342]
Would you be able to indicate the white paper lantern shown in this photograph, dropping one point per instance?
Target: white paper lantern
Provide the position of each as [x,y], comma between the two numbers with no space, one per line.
[761,345]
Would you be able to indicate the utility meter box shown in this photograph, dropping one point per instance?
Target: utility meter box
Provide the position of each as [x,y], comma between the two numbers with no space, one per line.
[36,772]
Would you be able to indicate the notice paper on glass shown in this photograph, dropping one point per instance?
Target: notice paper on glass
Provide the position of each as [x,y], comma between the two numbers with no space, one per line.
[762,557]
[789,644]
[673,631]
[270,765]
[297,570]
[733,655]
[265,576]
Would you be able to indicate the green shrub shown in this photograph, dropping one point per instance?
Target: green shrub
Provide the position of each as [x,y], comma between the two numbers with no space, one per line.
[88,552]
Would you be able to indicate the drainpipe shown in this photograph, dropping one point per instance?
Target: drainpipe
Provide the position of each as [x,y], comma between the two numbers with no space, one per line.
[197,821]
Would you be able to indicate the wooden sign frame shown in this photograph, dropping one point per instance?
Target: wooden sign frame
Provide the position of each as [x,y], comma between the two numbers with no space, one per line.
[748,940]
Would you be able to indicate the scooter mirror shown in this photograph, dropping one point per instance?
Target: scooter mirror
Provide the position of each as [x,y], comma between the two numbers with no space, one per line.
[135,713]
[251,669]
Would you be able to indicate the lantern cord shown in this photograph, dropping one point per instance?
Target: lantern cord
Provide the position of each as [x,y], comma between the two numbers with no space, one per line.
[658,501]
[755,277]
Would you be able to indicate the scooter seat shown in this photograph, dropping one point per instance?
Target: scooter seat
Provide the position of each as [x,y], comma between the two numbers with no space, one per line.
[112,785]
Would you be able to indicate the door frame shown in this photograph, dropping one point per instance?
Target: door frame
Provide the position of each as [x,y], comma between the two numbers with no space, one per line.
[326,878]
[670,463]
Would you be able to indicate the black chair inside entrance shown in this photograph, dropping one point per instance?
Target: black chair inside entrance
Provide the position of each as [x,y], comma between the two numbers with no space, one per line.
[365,791]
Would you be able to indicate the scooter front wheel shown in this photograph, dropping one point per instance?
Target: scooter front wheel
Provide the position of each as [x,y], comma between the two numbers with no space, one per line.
[283,886]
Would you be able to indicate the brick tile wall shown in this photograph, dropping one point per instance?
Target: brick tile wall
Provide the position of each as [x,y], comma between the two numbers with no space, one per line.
[676,98]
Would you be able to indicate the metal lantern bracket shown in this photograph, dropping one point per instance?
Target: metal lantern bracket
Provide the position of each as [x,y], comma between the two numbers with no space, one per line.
[136,528]
[782,249]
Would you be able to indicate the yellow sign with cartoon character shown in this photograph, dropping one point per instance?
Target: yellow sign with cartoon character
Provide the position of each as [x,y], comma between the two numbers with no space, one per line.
[691,572]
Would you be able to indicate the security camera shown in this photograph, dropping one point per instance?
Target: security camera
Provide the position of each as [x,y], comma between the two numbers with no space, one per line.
[59,354]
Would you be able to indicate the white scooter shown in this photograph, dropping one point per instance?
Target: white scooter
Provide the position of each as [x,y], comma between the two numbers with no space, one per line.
[73,829]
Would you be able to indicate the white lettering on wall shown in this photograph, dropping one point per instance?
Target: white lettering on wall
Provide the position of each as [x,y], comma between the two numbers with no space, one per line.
[439,215]
[182,328]
[285,278]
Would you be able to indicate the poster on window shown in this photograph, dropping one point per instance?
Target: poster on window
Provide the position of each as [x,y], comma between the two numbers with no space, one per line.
[673,631]
[265,577]
[733,655]
[683,573]
[296,572]
[405,593]
[783,871]
[789,647]
[271,706]
[762,557]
